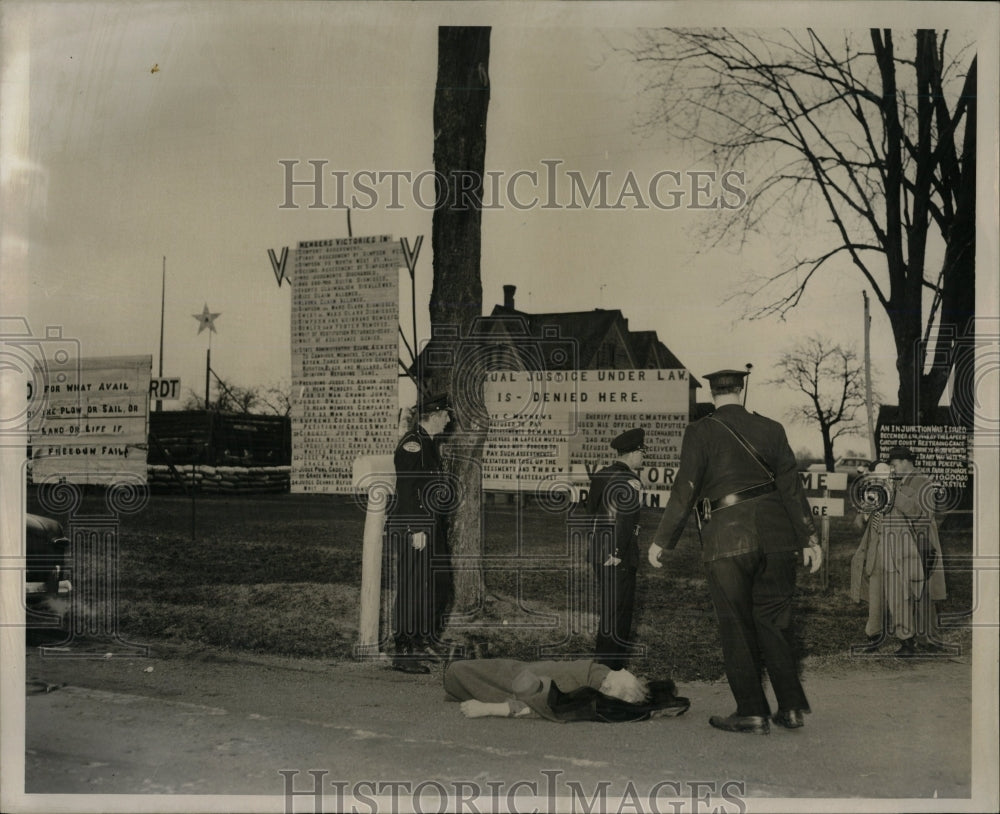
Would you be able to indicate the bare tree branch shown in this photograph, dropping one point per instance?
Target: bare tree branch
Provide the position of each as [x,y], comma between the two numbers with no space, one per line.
[864,131]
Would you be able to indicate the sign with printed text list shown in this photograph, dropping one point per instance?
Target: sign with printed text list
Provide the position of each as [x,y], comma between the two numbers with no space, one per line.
[556,427]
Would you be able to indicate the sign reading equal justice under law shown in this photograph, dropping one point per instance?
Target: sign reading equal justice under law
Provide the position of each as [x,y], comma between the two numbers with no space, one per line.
[93,422]
[549,427]
[345,356]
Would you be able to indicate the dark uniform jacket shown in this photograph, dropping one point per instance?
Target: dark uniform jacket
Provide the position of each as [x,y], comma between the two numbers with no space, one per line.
[615,499]
[421,485]
[714,464]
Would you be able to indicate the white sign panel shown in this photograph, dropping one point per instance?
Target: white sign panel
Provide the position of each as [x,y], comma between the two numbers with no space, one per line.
[93,420]
[556,427]
[826,506]
[345,357]
[164,389]
[818,481]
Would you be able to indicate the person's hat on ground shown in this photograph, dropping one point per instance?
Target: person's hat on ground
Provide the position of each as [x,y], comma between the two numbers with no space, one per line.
[663,701]
[630,441]
[588,704]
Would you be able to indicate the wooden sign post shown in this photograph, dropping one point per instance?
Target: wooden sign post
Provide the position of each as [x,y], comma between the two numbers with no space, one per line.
[824,508]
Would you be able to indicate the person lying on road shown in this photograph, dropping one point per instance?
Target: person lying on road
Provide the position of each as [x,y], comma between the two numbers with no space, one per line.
[578,690]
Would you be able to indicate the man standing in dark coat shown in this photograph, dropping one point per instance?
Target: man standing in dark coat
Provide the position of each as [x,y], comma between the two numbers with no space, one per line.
[615,499]
[754,518]
[417,532]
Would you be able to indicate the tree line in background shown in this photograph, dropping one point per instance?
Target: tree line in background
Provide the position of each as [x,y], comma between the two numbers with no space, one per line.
[275,399]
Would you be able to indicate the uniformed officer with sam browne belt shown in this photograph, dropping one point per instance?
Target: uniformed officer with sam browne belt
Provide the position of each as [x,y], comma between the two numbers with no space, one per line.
[417,529]
[754,519]
[615,499]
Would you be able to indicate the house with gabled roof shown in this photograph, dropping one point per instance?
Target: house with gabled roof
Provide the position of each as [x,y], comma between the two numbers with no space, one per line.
[570,340]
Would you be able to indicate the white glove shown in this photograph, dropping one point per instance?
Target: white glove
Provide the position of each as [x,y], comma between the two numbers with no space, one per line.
[813,555]
[654,555]
[419,541]
[612,560]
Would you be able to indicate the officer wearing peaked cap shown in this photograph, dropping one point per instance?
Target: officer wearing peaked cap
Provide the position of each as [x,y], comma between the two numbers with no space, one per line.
[738,471]
[614,500]
[417,528]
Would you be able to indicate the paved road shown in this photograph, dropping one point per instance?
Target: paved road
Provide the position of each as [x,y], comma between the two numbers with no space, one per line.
[204,724]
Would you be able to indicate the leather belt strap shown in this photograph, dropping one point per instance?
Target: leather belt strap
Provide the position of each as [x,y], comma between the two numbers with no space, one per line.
[744,494]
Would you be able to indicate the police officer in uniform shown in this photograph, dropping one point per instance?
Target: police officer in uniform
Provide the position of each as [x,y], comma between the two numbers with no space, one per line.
[417,530]
[614,500]
[738,471]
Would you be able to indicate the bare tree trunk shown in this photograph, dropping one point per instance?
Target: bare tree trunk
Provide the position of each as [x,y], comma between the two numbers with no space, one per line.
[461,102]
[828,458]
[958,301]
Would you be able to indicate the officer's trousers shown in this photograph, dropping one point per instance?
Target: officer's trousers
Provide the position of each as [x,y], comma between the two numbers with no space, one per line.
[752,594]
[616,602]
[424,586]
[412,610]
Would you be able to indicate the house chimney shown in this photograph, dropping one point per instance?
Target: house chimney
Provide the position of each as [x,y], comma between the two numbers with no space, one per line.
[508,296]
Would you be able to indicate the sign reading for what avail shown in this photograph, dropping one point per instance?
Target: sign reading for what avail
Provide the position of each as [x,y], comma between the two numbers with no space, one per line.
[89,422]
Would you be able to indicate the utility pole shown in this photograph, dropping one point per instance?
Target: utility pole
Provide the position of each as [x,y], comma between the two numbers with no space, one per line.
[163,297]
[873,451]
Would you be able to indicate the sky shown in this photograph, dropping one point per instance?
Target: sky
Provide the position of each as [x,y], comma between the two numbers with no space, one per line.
[154,133]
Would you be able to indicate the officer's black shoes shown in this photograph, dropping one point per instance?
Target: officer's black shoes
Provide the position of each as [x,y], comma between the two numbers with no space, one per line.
[406,662]
[410,665]
[789,718]
[907,649]
[874,642]
[751,724]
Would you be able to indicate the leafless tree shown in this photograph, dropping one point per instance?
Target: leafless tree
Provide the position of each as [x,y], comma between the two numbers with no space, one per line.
[230,398]
[832,380]
[865,142]
[276,399]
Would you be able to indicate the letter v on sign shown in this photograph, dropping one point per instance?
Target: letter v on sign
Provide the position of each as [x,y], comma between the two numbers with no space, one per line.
[279,264]
[411,255]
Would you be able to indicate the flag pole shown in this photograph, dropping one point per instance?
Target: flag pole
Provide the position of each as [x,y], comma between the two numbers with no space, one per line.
[163,299]
[208,370]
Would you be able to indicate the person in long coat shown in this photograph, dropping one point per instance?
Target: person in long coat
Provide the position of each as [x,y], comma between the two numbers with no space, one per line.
[898,566]
[754,521]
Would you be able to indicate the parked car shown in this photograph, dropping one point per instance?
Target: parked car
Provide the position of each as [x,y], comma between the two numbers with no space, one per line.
[851,466]
[47,586]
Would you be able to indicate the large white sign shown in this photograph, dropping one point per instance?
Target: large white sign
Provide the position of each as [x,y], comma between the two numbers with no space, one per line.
[555,427]
[345,357]
[92,420]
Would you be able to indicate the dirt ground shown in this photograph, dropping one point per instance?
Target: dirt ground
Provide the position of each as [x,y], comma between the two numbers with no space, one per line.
[883,735]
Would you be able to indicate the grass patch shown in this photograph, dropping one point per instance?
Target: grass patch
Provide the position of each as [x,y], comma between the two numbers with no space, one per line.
[281,574]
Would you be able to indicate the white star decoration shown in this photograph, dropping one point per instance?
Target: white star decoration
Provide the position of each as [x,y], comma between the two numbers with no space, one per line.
[206,319]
